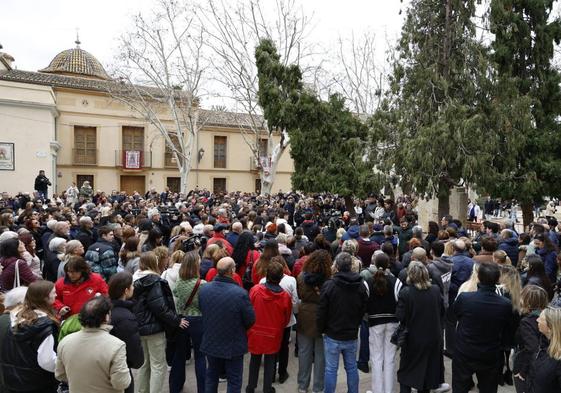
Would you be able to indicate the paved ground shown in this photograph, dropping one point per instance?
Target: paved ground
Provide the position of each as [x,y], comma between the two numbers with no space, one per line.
[291,386]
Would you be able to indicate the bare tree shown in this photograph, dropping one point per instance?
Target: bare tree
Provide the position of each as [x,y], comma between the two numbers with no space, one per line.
[235,29]
[358,75]
[161,69]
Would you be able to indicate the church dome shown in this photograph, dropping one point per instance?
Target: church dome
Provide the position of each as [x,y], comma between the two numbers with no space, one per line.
[77,62]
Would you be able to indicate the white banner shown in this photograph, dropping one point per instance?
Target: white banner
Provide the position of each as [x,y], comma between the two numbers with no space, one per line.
[132,159]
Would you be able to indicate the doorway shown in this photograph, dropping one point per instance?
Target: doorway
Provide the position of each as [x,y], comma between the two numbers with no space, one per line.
[130,184]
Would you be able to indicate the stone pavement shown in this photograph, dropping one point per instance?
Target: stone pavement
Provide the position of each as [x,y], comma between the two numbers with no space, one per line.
[290,386]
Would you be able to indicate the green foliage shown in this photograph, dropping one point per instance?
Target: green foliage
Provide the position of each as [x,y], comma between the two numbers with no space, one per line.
[328,143]
[442,123]
[523,48]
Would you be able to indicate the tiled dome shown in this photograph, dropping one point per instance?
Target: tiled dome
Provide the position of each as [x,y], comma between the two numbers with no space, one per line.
[76,61]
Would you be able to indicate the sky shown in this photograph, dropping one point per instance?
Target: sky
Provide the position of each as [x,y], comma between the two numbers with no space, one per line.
[34,31]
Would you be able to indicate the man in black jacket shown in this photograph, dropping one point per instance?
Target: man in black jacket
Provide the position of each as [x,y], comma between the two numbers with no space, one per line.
[42,184]
[485,327]
[341,307]
[85,234]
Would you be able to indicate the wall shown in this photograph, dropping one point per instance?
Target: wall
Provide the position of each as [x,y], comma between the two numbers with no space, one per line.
[27,119]
[91,109]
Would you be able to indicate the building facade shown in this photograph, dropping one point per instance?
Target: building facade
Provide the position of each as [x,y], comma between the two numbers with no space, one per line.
[63,120]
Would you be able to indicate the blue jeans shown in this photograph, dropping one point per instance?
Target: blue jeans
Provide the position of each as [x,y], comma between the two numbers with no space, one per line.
[364,350]
[192,335]
[234,374]
[333,348]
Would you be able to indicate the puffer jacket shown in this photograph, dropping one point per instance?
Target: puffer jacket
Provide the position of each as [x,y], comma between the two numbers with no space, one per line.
[102,259]
[461,272]
[154,308]
[125,328]
[19,357]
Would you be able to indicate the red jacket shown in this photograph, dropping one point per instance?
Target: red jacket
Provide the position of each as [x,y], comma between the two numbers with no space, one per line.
[219,236]
[272,313]
[75,295]
[252,256]
[212,272]
[298,265]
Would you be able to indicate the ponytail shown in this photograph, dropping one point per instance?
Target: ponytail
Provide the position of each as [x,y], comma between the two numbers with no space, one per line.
[381,261]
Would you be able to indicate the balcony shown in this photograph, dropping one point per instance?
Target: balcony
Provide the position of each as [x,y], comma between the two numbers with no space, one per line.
[84,156]
[133,159]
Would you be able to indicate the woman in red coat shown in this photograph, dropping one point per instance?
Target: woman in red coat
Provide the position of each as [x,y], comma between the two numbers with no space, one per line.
[273,307]
[77,287]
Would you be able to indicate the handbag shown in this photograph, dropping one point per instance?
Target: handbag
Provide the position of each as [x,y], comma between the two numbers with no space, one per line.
[399,336]
[17,282]
[193,292]
[247,279]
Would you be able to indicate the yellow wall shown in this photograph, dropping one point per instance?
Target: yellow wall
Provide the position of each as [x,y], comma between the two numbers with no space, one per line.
[83,108]
[27,119]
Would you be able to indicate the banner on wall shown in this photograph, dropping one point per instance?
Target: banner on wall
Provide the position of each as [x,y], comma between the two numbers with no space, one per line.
[132,159]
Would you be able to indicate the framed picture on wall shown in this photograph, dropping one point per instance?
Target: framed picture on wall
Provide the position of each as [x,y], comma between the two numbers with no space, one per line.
[7,156]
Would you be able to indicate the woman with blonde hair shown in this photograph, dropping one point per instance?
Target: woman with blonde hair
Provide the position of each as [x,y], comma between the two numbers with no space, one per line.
[527,337]
[162,253]
[501,258]
[471,284]
[546,375]
[156,316]
[420,310]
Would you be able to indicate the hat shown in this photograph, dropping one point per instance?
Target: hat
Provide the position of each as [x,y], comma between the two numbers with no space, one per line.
[220,227]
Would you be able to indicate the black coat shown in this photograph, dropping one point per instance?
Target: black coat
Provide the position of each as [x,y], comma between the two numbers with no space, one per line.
[125,328]
[485,325]
[527,339]
[546,372]
[19,357]
[421,311]
[154,308]
[86,237]
[342,304]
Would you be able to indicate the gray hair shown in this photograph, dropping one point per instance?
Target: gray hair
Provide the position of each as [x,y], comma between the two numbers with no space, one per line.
[344,262]
[85,220]
[72,245]
[418,276]
[417,232]
[350,247]
[56,243]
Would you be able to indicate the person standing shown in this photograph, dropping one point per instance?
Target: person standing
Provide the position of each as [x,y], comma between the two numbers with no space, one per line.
[105,366]
[72,194]
[485,326]
[42,184]
[273,309]
[546,375]
[227,315]
[125,325]
[101,255]
[341,307]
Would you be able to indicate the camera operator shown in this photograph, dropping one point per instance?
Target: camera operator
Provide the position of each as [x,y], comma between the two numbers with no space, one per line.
[162,224]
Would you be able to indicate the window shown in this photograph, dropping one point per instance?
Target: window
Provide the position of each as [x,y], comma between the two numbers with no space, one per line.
[258,186]
[85,143]
[219,185]
[263,147]
[133,138]
[169,159]
[220,152]
[80,179]
[173,183]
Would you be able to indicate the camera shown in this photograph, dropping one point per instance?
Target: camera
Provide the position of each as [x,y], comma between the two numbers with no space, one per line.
[194,242]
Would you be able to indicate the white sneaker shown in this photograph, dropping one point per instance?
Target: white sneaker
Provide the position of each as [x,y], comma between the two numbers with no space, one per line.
[442,388]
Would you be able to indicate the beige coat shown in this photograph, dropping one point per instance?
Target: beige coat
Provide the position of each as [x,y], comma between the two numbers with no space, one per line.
[93,360]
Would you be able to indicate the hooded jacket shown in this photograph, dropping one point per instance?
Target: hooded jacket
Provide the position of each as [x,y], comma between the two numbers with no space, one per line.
[75,295]
[273,308]
[154,308]
[342,305]
[19,357]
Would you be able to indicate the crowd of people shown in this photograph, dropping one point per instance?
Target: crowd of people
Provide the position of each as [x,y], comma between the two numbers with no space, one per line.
[96,285]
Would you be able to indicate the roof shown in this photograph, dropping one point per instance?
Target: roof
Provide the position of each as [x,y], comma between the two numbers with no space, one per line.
[76,61]
[211,117]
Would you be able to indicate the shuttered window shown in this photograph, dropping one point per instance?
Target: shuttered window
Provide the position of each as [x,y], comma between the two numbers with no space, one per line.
[220,151]
[85,145]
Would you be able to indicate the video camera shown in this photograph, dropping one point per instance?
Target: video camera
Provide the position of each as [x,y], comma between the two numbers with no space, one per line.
[194,242]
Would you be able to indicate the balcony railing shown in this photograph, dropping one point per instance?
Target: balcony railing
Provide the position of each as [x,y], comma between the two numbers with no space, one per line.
[133,159]
[84,156]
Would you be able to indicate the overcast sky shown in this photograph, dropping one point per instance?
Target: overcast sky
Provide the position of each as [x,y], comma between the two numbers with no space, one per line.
[34,31]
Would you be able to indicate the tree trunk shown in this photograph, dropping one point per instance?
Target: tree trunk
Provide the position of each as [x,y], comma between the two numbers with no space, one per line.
[527,214]
[184,179]
[268,175]
[443,202]
[349,205]
[266,185]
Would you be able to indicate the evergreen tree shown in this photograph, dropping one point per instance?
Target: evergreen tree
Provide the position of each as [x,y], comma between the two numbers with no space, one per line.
[436,127]
[328,142]
[523,48]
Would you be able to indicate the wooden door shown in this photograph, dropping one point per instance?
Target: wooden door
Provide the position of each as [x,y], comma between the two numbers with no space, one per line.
[80,179]
[130,184]
[173,183]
